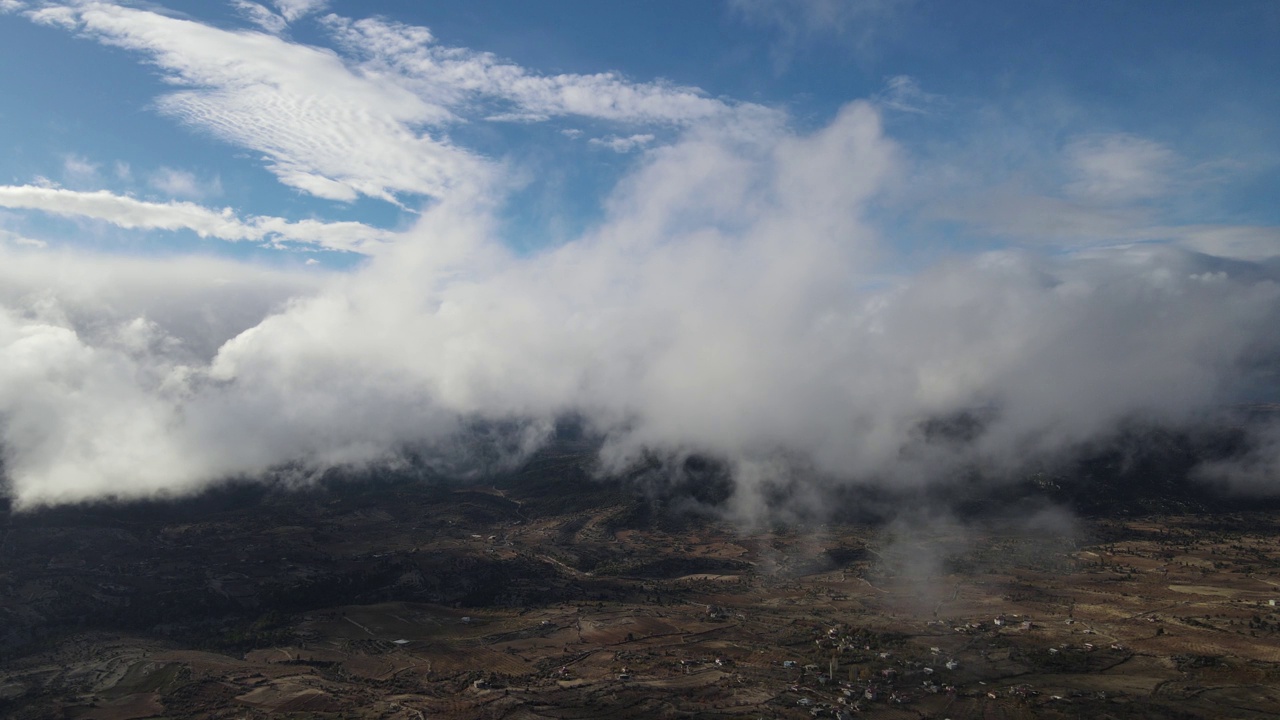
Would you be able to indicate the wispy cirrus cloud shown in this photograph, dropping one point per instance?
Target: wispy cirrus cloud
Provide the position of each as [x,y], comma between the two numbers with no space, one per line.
[323,127]
[77,169]
[291,10]
[1086,190]
[130,213]
[277,22]
[286,12]
[261,15]
[8,237]
[372,122]
[623,144]
[1241,242]
[802,22]
[459,78]
[1119,168]
[904,94]
[184,184]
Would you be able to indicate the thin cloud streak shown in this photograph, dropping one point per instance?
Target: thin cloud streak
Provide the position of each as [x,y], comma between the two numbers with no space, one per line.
[454,77]
[292,10]
[261,16]
[131,213]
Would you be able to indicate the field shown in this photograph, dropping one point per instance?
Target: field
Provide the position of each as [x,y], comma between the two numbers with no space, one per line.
[405,601]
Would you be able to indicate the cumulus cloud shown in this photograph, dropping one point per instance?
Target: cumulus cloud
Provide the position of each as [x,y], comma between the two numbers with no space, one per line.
[731,302]
[97,353]
[131,213]
[203,301]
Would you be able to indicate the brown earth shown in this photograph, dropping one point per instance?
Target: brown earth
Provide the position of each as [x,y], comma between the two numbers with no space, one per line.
[477,604]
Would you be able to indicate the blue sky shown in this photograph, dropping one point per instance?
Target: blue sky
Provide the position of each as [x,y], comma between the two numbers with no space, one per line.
[990,102]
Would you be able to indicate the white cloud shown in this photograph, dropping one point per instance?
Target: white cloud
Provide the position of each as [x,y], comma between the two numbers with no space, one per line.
[338,130]
[1014,213]
[1118,169]
[261,16]
[1230,241]
[76,169]
[97,354]
[59,15]
[131,213]
[622,144]
[824,15]
[204,301]
[291,10]
[722,306]
[8,237]
[1098,189]
[903,93]
[9,6]
[803,22]
[184,184]
[454,77]
[729,302]
[324,128]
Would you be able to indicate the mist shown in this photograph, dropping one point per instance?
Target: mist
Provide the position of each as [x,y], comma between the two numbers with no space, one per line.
[736,300]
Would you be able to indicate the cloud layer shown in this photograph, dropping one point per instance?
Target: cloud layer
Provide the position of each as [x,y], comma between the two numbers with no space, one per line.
[748,291]
[730,303]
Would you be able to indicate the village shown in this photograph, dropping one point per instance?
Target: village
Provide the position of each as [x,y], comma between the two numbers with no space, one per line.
[403,600]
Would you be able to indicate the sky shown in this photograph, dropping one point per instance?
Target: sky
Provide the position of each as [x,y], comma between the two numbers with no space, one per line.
[241,236]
